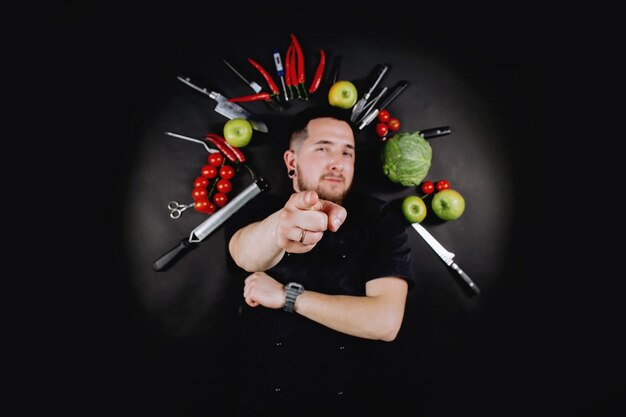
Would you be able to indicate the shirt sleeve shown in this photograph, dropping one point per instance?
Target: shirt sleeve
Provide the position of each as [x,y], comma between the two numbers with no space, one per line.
[390,253]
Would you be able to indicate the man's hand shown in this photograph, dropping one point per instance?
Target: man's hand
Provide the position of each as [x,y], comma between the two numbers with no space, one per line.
[261,289]
[305,215]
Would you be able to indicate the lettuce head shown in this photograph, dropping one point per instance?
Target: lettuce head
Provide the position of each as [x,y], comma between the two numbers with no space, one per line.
[406,158]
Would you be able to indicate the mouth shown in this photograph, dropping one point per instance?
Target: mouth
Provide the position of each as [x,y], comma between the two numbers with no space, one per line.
[334,179]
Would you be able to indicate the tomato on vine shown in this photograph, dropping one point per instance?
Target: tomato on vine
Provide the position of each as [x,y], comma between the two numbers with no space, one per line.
[216,159]
[428,187]
[227,172]
[224,186]
[442,185]
[383,116]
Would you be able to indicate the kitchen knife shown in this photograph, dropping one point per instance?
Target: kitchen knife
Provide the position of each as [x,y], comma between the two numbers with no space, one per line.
[444,255]
[226,108]
[256,87]
[399,87]
[214,221]
[358,107]
[435,132]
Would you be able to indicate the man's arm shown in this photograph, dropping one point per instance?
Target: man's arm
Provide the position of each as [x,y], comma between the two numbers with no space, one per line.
[377,315]
[261,245]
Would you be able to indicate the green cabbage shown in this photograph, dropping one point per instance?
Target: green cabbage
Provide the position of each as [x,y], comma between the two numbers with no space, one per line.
[406,158]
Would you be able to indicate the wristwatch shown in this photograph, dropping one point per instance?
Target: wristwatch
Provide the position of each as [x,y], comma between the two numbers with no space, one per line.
[292,291]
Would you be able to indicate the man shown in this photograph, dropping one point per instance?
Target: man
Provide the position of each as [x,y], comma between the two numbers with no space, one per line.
[326,273]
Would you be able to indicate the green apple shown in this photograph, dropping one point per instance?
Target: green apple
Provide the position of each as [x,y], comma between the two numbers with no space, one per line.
[342,94]
[414,209]
[238,132]
[448,204]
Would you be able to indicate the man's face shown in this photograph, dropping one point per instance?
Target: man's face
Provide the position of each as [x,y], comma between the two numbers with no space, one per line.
[325,160]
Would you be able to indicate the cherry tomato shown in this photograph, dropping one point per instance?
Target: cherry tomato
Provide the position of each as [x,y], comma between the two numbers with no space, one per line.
[383,116]
[208,171]
[220,199]
[216,159]
[203,205]
[442,185]
[227,172]
[393,123]
[382,129]
[198,193]
[224,186]
[200,182]
[428,187]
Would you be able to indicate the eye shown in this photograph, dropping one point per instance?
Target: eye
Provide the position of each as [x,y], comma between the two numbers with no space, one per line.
[348,154]
[322,149]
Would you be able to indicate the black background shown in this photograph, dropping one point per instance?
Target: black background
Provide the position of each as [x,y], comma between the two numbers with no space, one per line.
[543,341]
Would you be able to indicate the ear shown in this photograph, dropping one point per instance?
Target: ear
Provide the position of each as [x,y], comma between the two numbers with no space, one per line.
[290,159]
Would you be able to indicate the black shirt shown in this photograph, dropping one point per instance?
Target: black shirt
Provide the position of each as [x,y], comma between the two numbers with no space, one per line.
[288,357]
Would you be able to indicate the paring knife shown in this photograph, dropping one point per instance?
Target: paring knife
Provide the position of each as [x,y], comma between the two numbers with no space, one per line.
[214,221]
[358,107]
[367,119]
[444,255]
[256,87]
[226,108]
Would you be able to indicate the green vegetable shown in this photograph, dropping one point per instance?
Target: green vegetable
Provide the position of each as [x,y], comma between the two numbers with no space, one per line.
[406,158]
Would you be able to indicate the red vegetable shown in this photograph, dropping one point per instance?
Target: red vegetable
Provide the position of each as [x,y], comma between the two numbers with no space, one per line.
[224,186]
[300,57]
[428,187]
[265,75]
[226,172]
[216,159]
[222,147]
[235,151]
[393,123]
[252,97]
[220,199]
[317,78]
[199,192]
[288,65]
[384,116]
[382,130]
[442,185]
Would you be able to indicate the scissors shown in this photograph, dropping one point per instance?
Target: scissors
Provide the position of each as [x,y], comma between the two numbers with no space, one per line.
[177,209]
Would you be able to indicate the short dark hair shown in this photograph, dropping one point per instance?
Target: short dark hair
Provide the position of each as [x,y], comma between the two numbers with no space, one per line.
[300,121]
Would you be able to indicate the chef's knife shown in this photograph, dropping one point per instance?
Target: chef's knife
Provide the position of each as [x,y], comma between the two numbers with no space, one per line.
[399,87]
[358,107]
[214,221]
[227,108]
[435,132]
[444,255]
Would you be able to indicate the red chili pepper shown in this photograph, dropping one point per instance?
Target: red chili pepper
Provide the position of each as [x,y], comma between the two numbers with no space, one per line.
[293,69]
[236,151]
[288,65]
[265,75]
[300,56]
[222,147]
[252,97]
[317,79]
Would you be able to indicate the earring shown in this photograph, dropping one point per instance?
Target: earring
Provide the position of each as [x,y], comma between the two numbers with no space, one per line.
[291,173]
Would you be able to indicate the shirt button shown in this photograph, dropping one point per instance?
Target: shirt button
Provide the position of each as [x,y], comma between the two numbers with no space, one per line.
[343,256]
[279,344]
[277,389]
[339,392]
[342,348]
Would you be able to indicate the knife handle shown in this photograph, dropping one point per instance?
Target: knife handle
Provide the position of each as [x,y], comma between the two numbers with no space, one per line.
[465,278]
[176,252]
[435,132]
[394,93]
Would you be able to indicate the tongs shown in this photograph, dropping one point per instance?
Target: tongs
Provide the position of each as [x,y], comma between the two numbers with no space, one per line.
[369,107]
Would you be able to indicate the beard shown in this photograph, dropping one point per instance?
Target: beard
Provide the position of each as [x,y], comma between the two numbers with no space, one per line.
[323,190]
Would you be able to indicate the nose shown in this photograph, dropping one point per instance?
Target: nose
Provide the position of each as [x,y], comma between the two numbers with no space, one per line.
[336,164]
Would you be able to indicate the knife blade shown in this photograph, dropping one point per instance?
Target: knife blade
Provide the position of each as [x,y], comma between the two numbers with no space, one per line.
[207,227]
[446,256]
[226,108]
[358,107]
[399,87]
[256,87]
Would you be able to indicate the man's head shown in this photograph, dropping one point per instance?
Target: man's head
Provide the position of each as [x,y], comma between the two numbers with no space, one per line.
[321,153]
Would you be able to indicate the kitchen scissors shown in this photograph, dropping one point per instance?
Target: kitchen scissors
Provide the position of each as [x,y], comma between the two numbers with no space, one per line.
[177,209]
